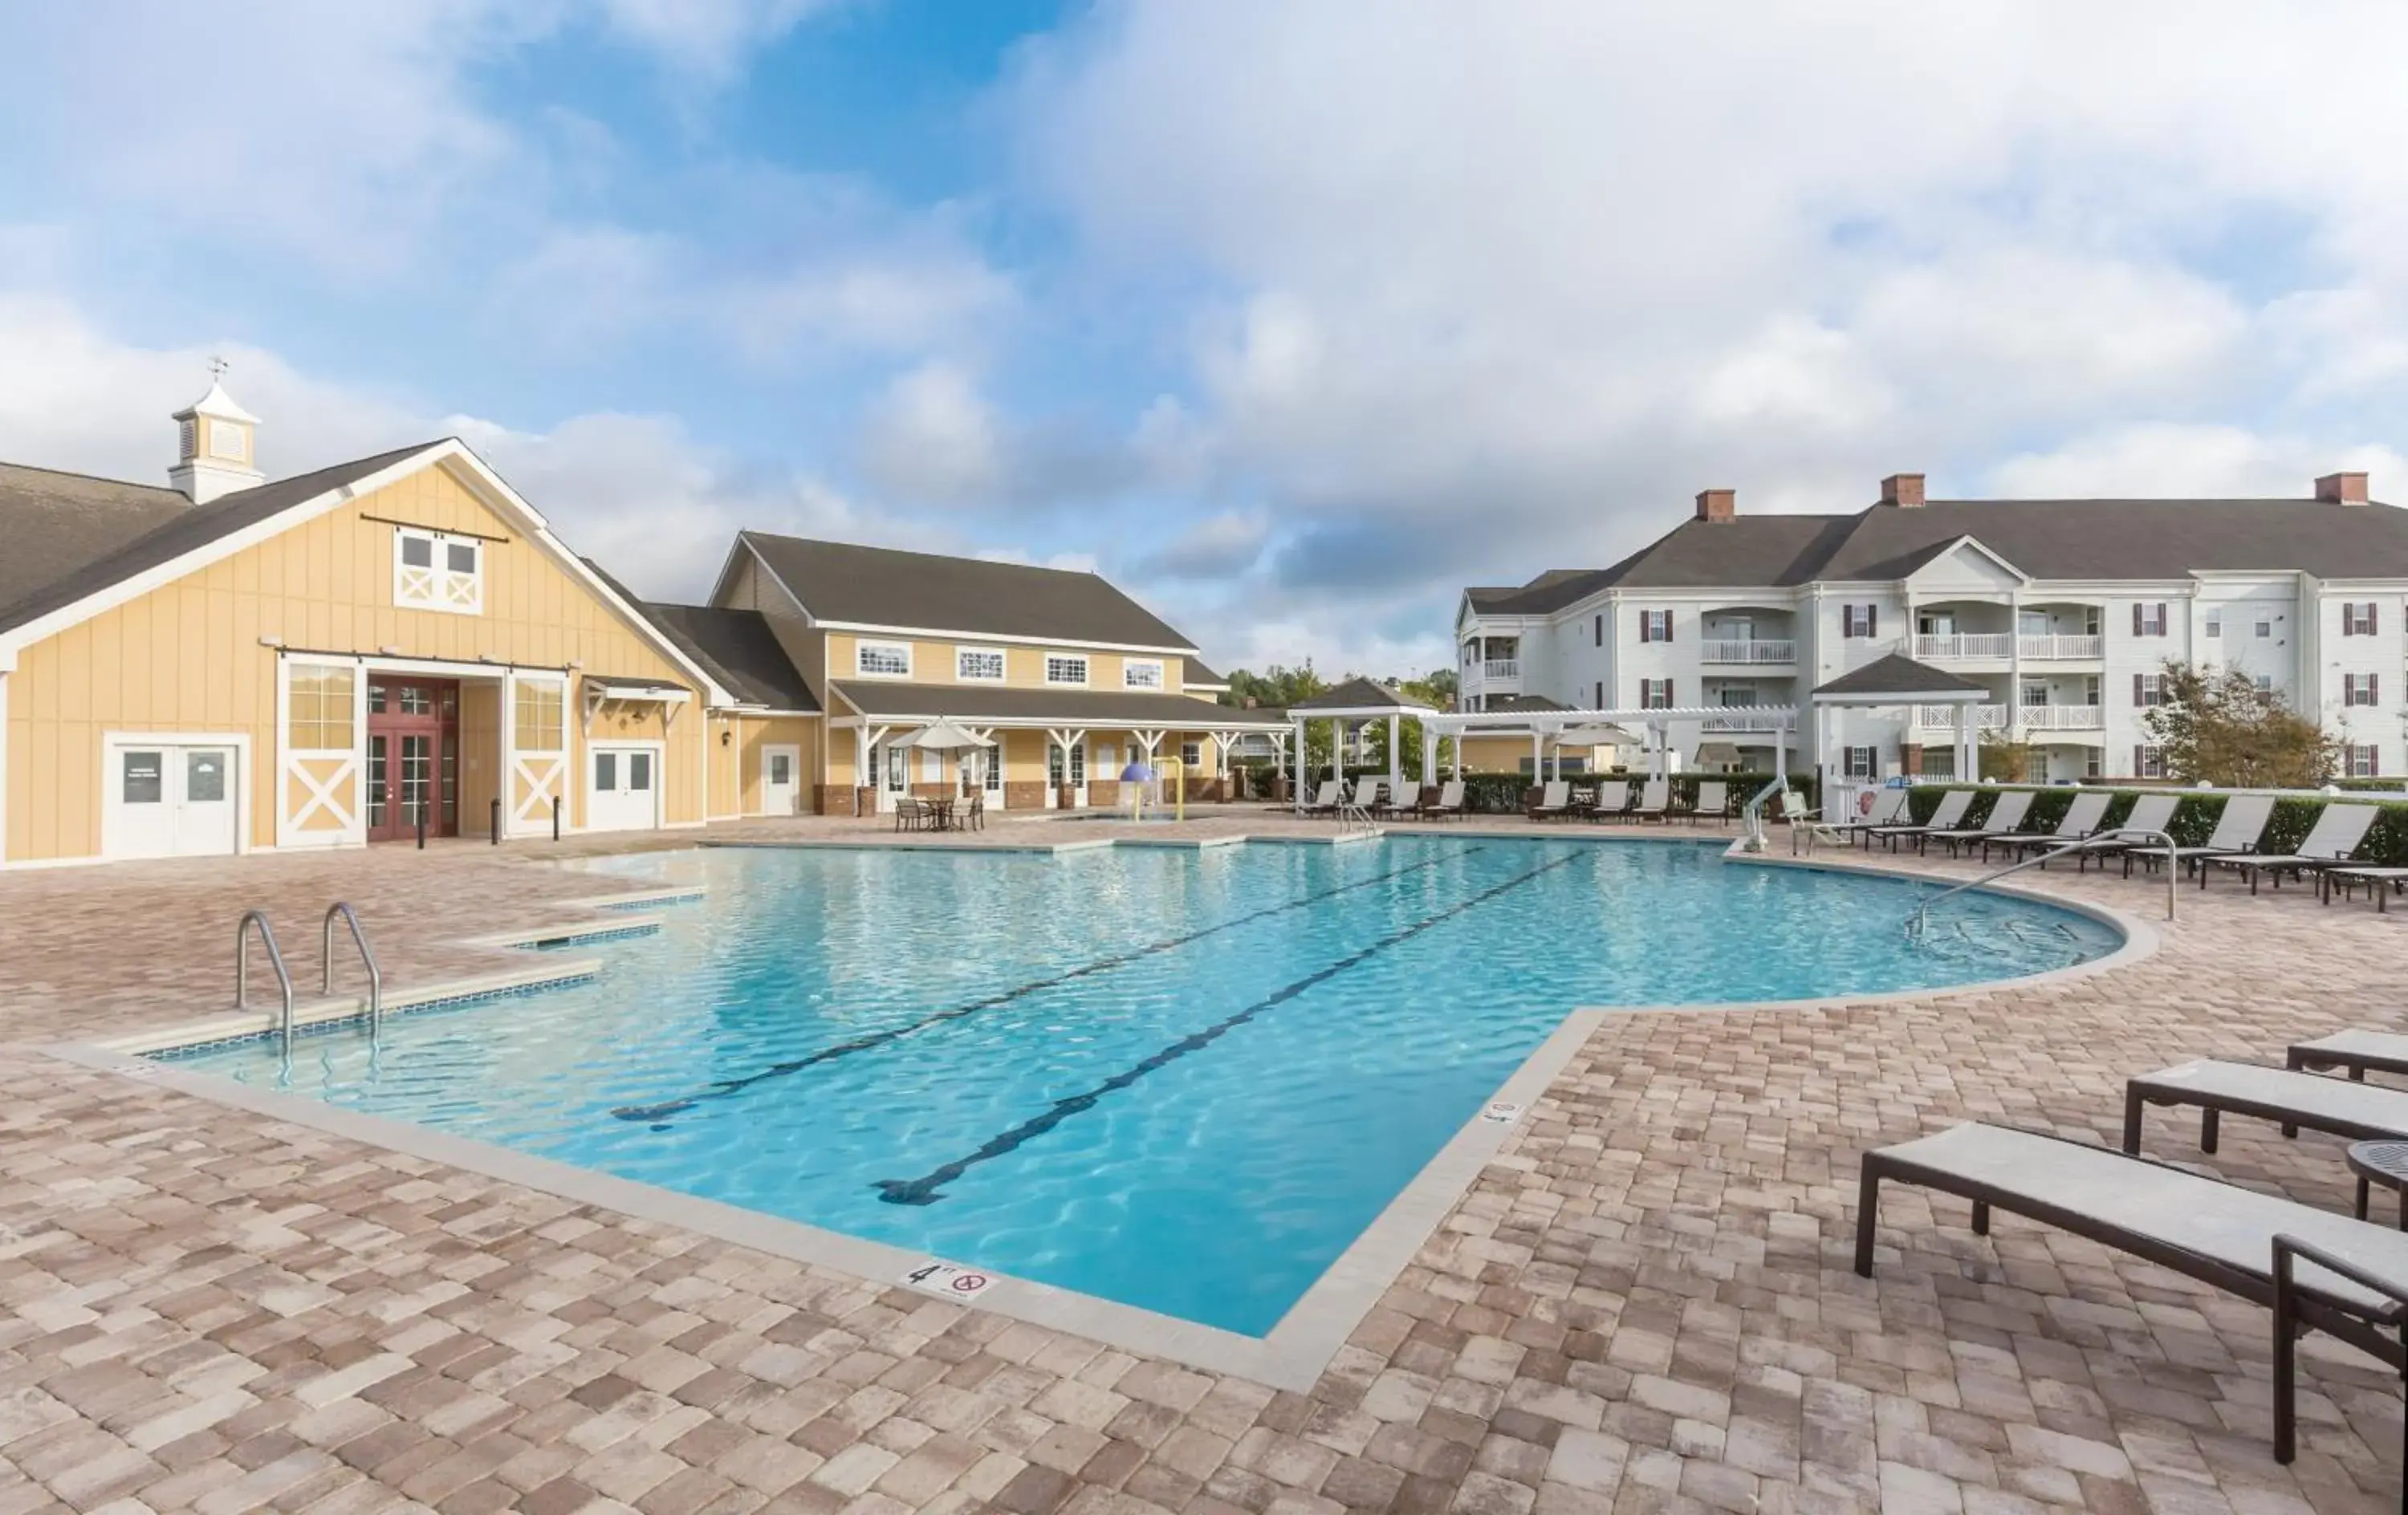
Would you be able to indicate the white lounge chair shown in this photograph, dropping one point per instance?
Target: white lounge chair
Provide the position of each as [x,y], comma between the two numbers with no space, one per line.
[2236,830]
[2081,818]
[1403,796]
[1367,792]
[1654,801]
[1612,800]
[1326,801]
[1713,799]
[1555,798]
[2335,835]
[2005,818]
[1888,808]
[2356,1052]
[1449,802]
[1952,808]
[2318,1269]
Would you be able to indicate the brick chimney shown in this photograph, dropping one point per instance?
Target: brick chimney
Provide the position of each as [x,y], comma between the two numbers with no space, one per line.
[1905,490]
[2341,489]
[1721,503]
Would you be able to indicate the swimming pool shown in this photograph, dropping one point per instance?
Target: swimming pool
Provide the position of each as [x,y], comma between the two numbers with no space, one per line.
[1180,1080]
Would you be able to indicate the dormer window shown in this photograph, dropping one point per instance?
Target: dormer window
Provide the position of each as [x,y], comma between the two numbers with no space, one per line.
[435,571]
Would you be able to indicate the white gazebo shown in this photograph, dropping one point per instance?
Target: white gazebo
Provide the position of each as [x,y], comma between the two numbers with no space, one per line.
[1359,702]
[1900,681]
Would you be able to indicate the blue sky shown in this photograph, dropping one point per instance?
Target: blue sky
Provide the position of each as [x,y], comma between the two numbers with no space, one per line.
[1293,325]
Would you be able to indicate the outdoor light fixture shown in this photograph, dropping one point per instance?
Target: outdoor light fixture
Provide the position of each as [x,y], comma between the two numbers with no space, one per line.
[726,736]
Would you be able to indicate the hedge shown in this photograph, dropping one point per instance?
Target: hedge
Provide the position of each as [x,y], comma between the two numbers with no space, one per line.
[2195,818]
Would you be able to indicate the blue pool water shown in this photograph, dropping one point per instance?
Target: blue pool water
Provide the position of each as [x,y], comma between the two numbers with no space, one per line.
[1182,1080]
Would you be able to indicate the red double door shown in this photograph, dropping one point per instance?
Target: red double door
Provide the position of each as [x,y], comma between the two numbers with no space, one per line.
[414,757]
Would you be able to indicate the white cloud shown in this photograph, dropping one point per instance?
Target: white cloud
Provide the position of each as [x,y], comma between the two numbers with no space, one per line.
[2201,460]
[933,438]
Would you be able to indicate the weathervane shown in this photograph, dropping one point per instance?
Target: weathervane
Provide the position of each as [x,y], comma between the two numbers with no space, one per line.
[216,367]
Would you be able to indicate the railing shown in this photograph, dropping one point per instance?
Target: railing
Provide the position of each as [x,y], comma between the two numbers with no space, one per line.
[1944,717]
[1495,668]
[367,961]
[1353,817]
[1914,923]
[1739,721]
[2061,717]
[275,960]
[2061,647]
[1749,650]
[1977,645]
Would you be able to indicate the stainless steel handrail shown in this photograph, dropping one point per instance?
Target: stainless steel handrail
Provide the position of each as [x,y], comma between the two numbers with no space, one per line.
[275,960]
[1350,816]
[367,960]
[1915,922]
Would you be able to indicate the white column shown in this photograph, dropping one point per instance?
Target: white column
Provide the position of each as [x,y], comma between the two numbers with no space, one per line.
[1429,754]
[1538,756]
[1396,764]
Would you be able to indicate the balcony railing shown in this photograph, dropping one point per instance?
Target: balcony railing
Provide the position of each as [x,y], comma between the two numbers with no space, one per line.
[2060,647]
[1496,668]
[1739,719]
[1977,645]
[1944,717]
[2061,718]
[1750,649]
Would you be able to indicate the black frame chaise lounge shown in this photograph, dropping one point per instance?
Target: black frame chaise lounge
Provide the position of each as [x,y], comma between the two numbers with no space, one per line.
[1654,802]
[2346,1107]
[2354,1052]
[1712,800]
[2352,1281]
[2329,842]
[1554,800]
[1448,802]
[1326,799]
[1403,797]
[2149,812]
[2005,819]
[2238,827]
[1887,807]
[2380,882]
[2081,819]
[1951,809]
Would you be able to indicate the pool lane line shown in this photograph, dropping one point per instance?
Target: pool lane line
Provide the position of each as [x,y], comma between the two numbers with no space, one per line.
[922,1189]
[880,1038]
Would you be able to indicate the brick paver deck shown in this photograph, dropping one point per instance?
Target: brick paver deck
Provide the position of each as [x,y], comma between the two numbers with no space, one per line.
[1644,1303]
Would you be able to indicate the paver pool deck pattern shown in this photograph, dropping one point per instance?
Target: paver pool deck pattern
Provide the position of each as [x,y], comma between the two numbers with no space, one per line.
[1644,1303]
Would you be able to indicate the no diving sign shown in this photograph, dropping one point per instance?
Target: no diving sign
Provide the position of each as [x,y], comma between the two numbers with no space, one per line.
[1501,1112]
[948,1280]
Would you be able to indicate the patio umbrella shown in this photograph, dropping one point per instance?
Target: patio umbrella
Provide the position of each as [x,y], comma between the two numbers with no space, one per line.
[944,736]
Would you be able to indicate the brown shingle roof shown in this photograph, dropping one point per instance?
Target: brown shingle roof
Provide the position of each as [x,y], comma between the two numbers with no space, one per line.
[54,524]
[881,586]
[739,650]
[1897,675]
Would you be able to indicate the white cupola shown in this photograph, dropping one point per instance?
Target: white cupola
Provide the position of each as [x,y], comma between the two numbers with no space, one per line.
[214,438]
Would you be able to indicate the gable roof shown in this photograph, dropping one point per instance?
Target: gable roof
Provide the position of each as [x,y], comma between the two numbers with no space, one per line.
[1359,693]
[2046,539]
[171,535]
[886,586]
[1196,676]
[57,522]
[737,648]
[1898,675]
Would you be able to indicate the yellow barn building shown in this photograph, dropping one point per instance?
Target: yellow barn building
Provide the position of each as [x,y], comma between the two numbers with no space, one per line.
[401,643]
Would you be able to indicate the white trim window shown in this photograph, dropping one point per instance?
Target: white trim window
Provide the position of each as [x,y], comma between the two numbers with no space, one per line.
[2149,619]
[2357,618]
[435,571]
[2149,762]
[1141,673]
[2359,689]
[2216,625]
[881,660]
[1656,693]
[2362,760]
[1863,763]
[977,665]
[1654,625]
[1859,621]
[1066,668]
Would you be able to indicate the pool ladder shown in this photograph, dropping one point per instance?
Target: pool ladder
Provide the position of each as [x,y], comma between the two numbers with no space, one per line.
[338,910]
[1916,922]
[1353,817]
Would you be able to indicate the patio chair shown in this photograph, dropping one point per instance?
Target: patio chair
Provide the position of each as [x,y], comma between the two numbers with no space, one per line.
[2236,830]
[2150,812]
[1555,799]
[911,813]
[1713,799]
[1326,801]
[2350,1285]
[2293,1099]
[1366,793]
[2006,817]
[1654,801]
[1952,808]
[974,813]
[1449,802]
[1888,810]
[2081,819]
[1402,798]
[2335,835]
[2356,1052]
[2380,882]
[1612,799]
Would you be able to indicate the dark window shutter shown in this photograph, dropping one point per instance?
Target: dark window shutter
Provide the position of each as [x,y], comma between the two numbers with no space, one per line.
[2140,689]
[2139,620]
[1598,632]
[1601,696]
[1668,683]
[1872,619]
[2370,629]
[1668,625]
[2137,750]
[2373,685]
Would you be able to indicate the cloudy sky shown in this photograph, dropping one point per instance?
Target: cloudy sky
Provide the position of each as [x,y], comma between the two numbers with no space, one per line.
[1294,316]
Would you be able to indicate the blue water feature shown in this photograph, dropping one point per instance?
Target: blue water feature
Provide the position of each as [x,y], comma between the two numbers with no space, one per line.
[1180,1079]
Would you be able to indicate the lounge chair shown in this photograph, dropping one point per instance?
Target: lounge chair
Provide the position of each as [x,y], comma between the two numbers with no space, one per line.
[1654,801]
[1366,793]
[2351,1283]
[1402,799]
[1555,798]
[1612,800]
[2338,830]
[1952,808]
[2380,882]
[2150,812]
[2356,1052]
[1333,792]
[2081,819]
[2005,819]
[2292,1099]
[2236,830]
[1448,802]
[1713,799]
[1888,808]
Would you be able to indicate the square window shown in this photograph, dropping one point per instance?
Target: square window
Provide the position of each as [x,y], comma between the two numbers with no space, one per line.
[882,659]
[1063,669]
[1136,675]
[978,664]
[424,579]
[418,552]
[460,557]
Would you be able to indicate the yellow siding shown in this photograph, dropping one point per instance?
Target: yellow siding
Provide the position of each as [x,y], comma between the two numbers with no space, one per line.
[1024,665]
[187,656]
[737,765]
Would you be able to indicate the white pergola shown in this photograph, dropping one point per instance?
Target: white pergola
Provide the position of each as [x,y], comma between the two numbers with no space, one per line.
[1900,681]
[1661,729]
[1358,702]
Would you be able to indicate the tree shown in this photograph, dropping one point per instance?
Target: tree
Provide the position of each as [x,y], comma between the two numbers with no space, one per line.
[1275,687]
[2005,761]
[2218,725]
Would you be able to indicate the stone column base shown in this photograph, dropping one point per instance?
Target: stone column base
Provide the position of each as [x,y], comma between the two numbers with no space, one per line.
[1023,795]
[833,799]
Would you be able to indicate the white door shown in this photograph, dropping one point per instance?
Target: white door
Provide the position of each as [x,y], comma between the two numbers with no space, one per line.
[623,790]
[170,799]
[781,779]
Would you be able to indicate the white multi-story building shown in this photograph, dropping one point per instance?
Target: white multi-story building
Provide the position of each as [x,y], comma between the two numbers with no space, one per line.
[2065,612]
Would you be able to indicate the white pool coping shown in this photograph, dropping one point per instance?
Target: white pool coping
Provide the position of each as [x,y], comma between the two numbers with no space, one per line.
[1295,1353]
